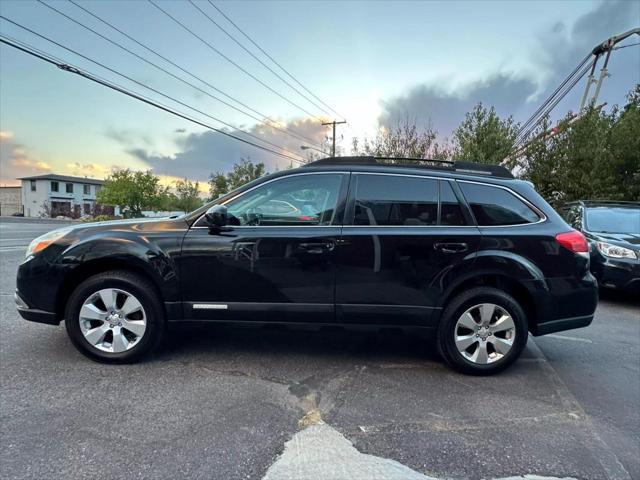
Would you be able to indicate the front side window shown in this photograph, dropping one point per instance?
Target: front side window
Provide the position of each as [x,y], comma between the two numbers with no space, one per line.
[494,206]
[395,200]
[295,200]
[33,185]
[54,186]
[69,187]
[87,189]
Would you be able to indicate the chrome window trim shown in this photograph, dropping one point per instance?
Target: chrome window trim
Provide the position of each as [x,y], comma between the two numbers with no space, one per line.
[540,213]
[265,183]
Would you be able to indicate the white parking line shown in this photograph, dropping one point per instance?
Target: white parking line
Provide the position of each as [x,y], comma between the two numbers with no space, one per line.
[573,339]
[599,448]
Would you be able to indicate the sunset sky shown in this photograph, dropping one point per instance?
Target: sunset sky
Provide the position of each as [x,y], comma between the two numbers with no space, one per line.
[373,62]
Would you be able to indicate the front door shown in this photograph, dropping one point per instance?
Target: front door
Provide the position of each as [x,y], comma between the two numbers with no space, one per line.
[404,237]
[276,262]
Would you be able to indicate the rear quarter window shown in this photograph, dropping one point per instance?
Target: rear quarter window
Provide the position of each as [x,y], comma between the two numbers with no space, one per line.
[494,206]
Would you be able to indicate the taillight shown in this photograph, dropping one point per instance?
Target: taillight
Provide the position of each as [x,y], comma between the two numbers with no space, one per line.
[574,241]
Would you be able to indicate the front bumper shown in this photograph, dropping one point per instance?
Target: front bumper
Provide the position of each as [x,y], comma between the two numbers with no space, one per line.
[32,314]
[622,274]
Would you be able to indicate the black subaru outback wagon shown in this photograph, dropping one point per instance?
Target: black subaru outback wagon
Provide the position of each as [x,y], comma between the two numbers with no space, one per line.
[460,249]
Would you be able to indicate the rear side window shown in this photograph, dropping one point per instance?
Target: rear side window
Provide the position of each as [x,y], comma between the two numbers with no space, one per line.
[395,200]
[496,206]
[450,209]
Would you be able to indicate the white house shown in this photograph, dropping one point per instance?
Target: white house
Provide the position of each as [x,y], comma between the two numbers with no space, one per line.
[53,195]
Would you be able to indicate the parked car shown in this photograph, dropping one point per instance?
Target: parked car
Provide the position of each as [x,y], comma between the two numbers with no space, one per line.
[461,250]
[613,232]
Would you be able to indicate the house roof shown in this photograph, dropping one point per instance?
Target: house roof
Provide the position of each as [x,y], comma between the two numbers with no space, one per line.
[64,178]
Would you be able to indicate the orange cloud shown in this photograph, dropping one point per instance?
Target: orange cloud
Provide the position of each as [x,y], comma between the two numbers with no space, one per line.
[15,161]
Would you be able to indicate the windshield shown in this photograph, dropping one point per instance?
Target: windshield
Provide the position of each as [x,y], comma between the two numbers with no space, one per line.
[613,220]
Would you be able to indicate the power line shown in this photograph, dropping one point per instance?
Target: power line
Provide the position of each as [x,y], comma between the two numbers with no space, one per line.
[258,59]
[264,118]
[144,60]
[535,116]
[625,46]
[557,100]
[273,60]
[246,72]
[521,144]
[173,99]
[113,86]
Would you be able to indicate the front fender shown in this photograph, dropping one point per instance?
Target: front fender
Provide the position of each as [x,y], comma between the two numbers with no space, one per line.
[135,251]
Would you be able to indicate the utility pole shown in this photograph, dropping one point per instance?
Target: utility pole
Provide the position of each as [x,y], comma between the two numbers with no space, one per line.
[334,123]
[605,48]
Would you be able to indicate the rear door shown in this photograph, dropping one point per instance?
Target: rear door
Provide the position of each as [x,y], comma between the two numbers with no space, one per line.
[404,238]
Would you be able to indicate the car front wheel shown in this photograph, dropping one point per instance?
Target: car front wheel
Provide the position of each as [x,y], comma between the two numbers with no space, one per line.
[115,317]
[482,331]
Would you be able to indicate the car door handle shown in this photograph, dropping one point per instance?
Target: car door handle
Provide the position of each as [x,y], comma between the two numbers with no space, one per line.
[451,247]
[317,248]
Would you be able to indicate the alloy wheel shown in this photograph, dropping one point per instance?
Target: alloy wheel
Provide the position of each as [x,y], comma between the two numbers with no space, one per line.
[485,333]
[112,320]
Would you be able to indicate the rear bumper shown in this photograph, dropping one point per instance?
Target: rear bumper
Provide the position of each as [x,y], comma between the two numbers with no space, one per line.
[563,324]
[563,303]
[34,315]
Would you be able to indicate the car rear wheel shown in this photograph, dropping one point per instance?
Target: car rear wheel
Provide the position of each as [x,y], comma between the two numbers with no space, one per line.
[482,331]
[115,317]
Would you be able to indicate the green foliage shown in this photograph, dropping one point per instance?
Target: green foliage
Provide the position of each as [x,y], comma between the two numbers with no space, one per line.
[99,218]
[187,197]
[132,191]
[403,140]
[242,173]
[484,137]
[596,156]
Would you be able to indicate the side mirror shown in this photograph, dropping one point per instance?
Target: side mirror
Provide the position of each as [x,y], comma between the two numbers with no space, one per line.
[216,216]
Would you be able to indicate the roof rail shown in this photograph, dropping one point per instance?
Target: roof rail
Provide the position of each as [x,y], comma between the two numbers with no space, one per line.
[606,202]
[472,168]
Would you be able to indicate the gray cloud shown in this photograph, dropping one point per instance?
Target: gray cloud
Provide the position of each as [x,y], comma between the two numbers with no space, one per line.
[561,47]
[429,105]
[203,153]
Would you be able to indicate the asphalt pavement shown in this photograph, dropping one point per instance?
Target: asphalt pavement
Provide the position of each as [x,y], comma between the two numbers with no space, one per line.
[233,403]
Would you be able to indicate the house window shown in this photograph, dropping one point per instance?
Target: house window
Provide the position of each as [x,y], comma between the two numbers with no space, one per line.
[87,189]
[33,185]
[87,206]
[69,187]
[54,186]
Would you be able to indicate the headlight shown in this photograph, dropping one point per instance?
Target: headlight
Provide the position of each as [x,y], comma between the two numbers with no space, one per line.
[43,241]
[615,251]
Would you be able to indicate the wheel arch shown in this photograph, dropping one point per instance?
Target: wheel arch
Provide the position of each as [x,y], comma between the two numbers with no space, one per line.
[96,266]
[514,287]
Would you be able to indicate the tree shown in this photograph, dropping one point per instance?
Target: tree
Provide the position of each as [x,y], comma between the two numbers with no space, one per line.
[242,173]
[404,140]
[484,137]
[132,191]
[593,156]
[218,185]
[187,196]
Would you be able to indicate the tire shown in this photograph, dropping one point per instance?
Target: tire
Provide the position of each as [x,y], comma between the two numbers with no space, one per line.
[490,348]
[133,330]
